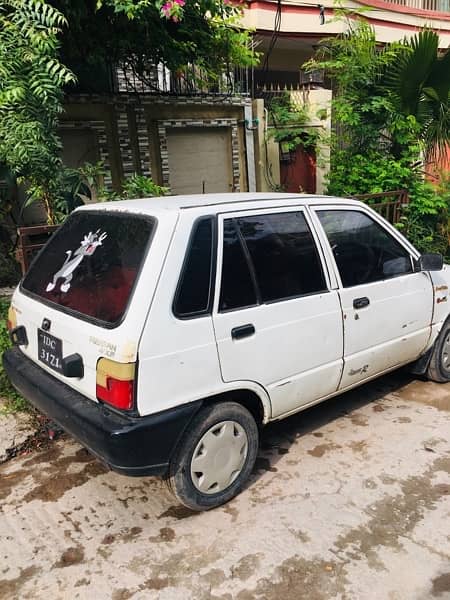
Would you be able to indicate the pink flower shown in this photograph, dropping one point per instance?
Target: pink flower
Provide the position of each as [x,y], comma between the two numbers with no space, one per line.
[166,9]
[173,10]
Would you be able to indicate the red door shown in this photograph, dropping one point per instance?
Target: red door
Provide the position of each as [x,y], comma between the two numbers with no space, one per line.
[299,173]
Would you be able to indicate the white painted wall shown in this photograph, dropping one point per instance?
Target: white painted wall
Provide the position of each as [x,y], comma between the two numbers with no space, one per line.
[267,154]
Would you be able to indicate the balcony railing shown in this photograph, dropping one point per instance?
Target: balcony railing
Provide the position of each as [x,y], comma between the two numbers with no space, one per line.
[430,5]
[192,81]
[189,81]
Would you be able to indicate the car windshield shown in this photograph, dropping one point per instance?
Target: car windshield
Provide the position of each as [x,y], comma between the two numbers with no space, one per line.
[90,266]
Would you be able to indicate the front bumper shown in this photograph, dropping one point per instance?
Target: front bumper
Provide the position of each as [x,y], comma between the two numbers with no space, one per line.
[130,445]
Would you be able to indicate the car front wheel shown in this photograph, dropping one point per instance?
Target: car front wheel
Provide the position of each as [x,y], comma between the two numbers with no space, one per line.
[439,367]
[215,456]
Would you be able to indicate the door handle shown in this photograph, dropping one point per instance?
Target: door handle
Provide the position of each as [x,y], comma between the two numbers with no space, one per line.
[361,302]
[243,331]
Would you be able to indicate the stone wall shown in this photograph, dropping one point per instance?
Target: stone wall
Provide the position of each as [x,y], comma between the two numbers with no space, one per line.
[131,132]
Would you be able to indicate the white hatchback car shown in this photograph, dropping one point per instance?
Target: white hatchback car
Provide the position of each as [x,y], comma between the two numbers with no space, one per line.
[163,333]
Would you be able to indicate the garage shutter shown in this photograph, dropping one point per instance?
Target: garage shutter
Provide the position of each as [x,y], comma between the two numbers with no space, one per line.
[199,160]
[79,146]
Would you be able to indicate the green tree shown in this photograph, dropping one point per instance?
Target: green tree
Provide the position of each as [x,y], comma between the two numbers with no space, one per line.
[393,100]
[36,42]
[31,90]
[361,106]
[390,110]
[138,35]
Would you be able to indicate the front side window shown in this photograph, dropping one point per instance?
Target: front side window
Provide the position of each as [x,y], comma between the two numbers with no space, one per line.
[364,251]
[91,264]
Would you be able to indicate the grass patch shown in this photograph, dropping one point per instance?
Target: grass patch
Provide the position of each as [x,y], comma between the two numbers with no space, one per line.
[14,401]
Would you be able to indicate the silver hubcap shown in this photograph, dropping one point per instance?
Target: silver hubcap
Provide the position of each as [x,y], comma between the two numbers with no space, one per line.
[446,353]
[219,457]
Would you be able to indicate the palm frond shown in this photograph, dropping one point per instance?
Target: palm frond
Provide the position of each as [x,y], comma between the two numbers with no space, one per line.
[406,77]
[439,77]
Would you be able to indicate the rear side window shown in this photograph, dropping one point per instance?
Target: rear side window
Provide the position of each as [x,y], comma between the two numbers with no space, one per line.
[283,254]
[90,266]
[194,289]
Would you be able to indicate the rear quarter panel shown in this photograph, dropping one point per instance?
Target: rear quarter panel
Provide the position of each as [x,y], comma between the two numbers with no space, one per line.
[178,360]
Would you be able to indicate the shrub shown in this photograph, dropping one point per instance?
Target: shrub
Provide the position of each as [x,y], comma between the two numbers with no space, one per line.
[14,401]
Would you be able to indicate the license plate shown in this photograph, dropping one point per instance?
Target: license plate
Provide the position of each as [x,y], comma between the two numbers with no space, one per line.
[50,350]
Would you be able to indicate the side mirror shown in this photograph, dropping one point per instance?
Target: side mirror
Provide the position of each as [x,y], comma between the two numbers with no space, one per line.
[431,262]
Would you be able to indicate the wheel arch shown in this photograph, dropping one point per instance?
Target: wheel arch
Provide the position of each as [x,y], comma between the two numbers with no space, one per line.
[420,366]
[248,394]
[435,371]
[258,406]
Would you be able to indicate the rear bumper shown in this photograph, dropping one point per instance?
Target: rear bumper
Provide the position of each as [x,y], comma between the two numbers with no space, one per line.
[130,445]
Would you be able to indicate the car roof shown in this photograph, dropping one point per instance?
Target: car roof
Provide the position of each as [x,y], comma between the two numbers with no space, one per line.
[215,202]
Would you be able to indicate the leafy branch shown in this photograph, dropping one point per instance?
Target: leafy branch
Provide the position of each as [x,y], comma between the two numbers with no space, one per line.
[31,83]
[290,125]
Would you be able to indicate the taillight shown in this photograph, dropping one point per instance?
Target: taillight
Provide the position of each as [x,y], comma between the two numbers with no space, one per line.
[11,322]
[115,383]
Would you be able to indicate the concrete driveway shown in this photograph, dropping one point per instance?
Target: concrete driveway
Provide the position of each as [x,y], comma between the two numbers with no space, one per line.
[350,500]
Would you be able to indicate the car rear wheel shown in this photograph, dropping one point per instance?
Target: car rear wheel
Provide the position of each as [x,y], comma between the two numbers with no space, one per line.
[215,456]
[439,367]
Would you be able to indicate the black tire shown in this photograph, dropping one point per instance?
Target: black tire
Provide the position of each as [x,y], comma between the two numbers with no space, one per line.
[439,367]
[180,480]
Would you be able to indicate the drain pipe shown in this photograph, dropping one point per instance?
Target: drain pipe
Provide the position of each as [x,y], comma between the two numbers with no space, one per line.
[250,146]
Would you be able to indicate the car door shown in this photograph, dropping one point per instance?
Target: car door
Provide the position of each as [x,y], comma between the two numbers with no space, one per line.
[387,306]
[277,318]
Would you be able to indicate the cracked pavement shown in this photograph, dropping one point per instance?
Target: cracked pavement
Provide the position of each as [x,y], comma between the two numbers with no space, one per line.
[349,500]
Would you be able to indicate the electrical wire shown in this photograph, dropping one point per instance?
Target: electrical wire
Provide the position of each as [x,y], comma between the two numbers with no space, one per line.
[273,41]
[277,27]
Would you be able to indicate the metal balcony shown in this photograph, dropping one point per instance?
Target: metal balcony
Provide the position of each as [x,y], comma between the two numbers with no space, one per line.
[188,81]
[430,5]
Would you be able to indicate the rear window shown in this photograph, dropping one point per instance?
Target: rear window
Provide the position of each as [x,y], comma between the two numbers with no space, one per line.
[91,264]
